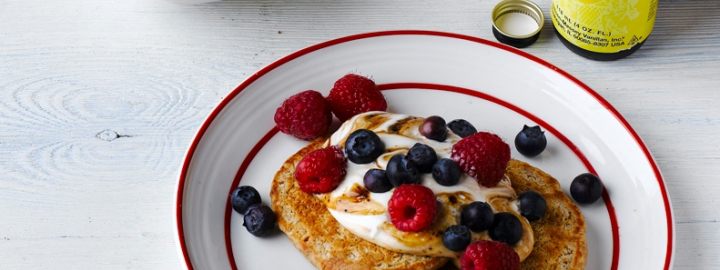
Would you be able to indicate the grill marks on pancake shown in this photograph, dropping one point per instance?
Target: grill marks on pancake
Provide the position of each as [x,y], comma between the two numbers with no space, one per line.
[375,120]
[321,239]
[357,201]
[401,125]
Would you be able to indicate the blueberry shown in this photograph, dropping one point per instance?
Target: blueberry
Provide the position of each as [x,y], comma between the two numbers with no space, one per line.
[506,228]
[363,146]
[462,128]
[530,141]
[446,172]
[243,197]
[376,181]
[434,128]
[586,188]
[401,170]
[477,216]
[260,220]
[423,156]
[532,205]
[456,237]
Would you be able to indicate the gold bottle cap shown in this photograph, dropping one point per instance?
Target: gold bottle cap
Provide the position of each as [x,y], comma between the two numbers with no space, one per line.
[517,22]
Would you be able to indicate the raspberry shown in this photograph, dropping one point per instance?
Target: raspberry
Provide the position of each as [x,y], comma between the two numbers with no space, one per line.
[321,171]
[483,156]
[306,115]
[489,255]
[412,207]
[354,94]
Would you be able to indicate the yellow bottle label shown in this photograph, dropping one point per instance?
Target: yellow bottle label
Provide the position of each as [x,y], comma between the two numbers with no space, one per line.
[604,26]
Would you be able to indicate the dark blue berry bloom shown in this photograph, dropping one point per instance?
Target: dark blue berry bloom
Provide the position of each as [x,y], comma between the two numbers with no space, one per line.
[532,205]
[586,188]
[506,228]
[530,141]
[376,181]
[456,237]
[478,216]
[423,156]
[462,128]
[401,170]
[446,172]
[363,146]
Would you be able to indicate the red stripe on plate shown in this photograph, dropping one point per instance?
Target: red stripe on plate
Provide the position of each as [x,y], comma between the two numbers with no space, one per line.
[243,167]
[203,128]
[546,126]
[454,89]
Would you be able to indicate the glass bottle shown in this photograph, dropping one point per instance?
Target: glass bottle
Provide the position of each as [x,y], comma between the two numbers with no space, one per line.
[603,29]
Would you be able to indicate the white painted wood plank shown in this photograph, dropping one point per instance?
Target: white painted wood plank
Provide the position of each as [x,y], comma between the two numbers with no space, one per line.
[99,100]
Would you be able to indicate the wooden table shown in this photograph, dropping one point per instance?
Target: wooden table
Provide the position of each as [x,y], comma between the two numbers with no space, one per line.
[100,99]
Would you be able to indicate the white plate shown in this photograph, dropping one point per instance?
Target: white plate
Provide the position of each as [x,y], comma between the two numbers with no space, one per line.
[493,86]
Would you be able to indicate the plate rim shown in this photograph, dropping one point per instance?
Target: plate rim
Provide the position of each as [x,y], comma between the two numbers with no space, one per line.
[669,254]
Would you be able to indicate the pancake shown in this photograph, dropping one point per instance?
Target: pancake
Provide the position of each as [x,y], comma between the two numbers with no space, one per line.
[311,228]
[559,235]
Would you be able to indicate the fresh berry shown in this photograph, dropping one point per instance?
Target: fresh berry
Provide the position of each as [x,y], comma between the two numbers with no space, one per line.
[376,181]
[306,115]
[489,255]
[477,216]
[456,237]
[586,188]
[506,228]
[363,146]
[530,141]
[434,128]
[401,170]
[483,156]
[354,94]
[532,205]
[412,207]
[243,197]
[260,220]
[423,156]
[446,172]
[462,128]
[321,170]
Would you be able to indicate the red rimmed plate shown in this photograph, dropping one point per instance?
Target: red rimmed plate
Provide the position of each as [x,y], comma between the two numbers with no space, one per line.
[495,87]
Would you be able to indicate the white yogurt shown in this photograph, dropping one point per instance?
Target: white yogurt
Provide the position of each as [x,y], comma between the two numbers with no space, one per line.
[368,226]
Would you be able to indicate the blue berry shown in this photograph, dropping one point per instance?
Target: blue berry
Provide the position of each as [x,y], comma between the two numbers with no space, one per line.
[532,205]
[434,128]
[506,228]
[456,237]
[363,146]
[260,220]
[530,141]
[586,188]
[477,216]
[401,170]
[462,128]
[446,172]
[423,156]
[376,181]
[243,197]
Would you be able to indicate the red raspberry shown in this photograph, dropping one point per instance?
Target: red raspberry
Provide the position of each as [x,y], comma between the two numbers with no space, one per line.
[489,255]
[321,171]
[483,156]
[306,115]
[355,94]
[412,207]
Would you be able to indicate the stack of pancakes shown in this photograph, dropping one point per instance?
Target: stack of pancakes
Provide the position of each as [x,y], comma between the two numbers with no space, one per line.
[559,235]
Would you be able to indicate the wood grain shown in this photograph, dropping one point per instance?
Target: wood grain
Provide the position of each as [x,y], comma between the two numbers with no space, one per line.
[99,100]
